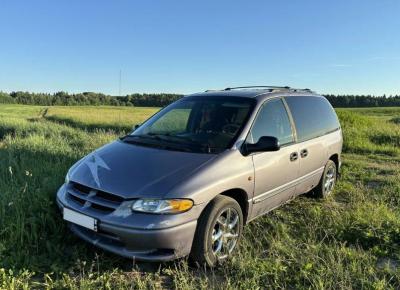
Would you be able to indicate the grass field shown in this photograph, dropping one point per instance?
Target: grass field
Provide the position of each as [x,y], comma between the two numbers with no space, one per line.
[350,241]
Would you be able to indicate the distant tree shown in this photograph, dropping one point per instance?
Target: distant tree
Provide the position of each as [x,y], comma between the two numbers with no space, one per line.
[6,98]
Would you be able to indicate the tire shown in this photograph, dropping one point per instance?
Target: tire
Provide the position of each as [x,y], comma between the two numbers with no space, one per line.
[211,224]
[325,187]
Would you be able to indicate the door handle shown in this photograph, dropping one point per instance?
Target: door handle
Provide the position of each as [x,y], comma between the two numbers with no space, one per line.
[303,153]
[294,156]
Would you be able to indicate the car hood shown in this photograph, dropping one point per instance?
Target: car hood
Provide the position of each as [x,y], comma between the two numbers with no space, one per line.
[133,171]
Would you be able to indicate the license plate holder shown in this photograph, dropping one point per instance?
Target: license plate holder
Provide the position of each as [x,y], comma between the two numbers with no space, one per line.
[80,219]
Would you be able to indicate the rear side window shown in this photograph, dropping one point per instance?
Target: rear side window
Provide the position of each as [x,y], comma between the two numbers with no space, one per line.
[313,116]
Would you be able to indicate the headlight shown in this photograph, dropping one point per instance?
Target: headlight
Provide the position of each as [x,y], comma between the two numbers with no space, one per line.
[162,206]
[66,178]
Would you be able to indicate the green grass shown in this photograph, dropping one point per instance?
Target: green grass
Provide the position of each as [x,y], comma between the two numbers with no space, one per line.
[104,117]
[371,131]
[349,241]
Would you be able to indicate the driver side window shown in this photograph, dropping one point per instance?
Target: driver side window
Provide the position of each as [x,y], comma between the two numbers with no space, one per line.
[272,120]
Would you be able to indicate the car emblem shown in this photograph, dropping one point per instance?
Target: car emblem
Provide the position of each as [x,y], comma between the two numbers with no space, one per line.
[91,194]
[94,162]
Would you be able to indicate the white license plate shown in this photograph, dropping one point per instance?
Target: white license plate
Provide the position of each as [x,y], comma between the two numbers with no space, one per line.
[80,219]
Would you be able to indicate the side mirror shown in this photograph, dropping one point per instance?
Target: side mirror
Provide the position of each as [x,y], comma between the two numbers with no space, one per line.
[264,144]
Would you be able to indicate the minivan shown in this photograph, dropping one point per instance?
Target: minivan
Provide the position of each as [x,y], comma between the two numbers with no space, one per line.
[188,179]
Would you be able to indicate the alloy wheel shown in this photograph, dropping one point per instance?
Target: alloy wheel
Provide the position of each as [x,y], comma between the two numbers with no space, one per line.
[330,179]
[225,233]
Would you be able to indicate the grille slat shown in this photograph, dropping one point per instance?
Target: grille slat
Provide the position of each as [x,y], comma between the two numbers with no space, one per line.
[78,194]
[78,200]
[81,188]
[96,199]
[103,202]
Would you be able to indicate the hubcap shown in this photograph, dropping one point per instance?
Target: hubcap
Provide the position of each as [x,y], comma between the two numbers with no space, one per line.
[225,233]
[330,179]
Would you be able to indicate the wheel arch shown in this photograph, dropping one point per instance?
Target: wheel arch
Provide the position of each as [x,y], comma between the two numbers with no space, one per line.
[241,198]
[335,158]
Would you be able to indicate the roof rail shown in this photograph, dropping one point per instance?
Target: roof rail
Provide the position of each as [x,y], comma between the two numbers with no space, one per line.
[266,87]
[270,88]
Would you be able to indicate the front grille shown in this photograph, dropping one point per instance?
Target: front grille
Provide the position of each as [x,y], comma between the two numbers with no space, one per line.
[92,198]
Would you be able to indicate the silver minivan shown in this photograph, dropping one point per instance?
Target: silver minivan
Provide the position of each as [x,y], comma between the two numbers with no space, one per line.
[188,179]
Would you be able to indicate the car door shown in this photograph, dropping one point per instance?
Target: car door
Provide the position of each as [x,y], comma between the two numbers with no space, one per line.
[313,118]
[275,172]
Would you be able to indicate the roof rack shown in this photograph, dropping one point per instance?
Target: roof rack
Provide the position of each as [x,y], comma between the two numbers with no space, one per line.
[252,87]
[270,88]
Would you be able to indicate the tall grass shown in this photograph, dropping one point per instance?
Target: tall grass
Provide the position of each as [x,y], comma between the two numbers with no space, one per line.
[369,132]
[350,241]
[109,118]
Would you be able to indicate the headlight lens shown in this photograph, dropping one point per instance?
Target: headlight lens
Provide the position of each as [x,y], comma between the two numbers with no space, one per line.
[162,206]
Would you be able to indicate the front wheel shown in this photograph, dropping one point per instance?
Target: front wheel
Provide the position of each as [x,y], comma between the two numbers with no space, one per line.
[328,180]
[218,231]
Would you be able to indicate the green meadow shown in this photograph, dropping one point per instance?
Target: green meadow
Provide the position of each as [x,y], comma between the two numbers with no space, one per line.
[349,241]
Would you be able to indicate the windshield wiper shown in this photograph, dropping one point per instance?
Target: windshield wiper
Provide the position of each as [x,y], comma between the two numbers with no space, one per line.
[205,147]
[140,140]
[168,141]
[169,137]
[135,140]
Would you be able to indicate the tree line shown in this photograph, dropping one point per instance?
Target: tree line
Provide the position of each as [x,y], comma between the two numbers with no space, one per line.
[346,101]
[88,98]
[161,100]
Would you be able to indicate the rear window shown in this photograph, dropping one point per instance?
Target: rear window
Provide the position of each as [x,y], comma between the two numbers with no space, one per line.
[313,116]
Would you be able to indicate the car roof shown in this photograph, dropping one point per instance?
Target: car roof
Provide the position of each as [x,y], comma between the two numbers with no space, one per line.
[259,92]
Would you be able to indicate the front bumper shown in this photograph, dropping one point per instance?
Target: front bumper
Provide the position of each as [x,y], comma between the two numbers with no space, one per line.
[140,236]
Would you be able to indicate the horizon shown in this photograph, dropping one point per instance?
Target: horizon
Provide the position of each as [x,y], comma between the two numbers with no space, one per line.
[183,94]
[340,48]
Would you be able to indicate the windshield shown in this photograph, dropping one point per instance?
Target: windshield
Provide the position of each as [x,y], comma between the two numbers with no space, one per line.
[195,124]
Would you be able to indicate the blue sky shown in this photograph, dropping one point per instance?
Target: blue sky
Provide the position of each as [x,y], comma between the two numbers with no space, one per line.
[187,46]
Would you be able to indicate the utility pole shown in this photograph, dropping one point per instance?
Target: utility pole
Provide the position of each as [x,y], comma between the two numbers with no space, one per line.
[119,85]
